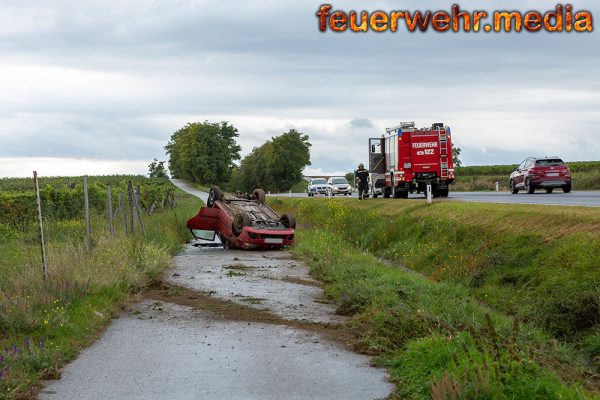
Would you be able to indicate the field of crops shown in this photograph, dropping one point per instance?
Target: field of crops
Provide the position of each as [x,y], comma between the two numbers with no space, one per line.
[63,199]
[586,176]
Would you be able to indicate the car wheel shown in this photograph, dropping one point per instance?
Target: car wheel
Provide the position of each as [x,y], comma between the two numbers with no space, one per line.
[513,189]
[240,220]
[214,194]
[549,190]
[259,195]
[567,188]
[288,221]
[530,189]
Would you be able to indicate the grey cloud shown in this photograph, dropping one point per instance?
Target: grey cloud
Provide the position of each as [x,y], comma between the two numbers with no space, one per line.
[211,58]
[361,123]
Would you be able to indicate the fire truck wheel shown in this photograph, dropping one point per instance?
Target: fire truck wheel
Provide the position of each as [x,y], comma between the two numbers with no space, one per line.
[444,192]
[386,193]
[288,221]
[395,191]
[403,194]
[239,222]
[259,195]
[215,194]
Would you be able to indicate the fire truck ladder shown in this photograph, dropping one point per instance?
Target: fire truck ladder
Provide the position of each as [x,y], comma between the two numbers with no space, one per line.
[443,138]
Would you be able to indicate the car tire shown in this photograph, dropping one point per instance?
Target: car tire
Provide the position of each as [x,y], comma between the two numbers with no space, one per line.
[513,189]
[259,195]
[566,188]
[288,221]
[549,190]
[214,195]
[530,189]
[240,220]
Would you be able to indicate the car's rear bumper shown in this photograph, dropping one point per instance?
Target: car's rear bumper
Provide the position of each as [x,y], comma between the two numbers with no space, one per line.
[554,183]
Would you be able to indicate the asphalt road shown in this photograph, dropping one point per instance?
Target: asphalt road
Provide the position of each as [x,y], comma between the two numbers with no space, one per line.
[581,198]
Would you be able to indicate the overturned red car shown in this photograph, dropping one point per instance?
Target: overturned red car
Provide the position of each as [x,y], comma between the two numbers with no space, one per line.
[242,221]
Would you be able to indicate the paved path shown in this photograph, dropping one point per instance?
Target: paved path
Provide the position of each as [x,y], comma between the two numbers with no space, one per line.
[226,324]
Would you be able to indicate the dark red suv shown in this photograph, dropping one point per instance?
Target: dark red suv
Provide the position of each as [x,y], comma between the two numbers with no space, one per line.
[540,173]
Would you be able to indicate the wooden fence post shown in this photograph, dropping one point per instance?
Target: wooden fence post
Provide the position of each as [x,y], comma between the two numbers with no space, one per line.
[131,208]
[88,233]
[39,207]
[122,205]
[139,214]
[110,211]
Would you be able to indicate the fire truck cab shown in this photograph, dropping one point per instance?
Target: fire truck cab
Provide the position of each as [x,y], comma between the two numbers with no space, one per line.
[407,159]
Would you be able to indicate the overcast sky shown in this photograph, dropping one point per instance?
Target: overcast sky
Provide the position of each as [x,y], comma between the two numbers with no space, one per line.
[99,86]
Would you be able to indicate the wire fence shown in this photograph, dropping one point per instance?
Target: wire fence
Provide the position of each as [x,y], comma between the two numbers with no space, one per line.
[52,210]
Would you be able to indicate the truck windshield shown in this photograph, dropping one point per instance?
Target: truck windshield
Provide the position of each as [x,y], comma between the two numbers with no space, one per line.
[339,181]
[549,162]
[318,182]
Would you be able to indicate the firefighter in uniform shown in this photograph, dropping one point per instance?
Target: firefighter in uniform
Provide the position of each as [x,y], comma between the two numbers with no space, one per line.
[362,178]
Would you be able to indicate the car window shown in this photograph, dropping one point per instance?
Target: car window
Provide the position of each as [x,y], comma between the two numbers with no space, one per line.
[318,181]
[522,165]
[549,162]
[528,164]
[339,181]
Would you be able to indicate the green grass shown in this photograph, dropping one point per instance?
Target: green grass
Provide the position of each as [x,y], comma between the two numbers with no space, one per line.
[43,326]
[531,269]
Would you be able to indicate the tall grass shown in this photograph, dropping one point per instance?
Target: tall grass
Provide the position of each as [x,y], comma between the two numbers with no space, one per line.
[532,264]
[43,324]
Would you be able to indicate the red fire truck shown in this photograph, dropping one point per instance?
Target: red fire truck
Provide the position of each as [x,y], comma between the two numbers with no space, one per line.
[408,159]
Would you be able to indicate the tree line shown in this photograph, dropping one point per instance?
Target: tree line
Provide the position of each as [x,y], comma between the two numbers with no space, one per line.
[206,152]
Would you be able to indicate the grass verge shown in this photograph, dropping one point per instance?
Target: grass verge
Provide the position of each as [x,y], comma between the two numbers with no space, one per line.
[501,309]
[44,325]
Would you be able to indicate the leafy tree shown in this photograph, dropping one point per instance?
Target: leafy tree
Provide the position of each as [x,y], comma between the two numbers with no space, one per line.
[276,165]
[455,156]
[157,169]
[203,152]
[350,177]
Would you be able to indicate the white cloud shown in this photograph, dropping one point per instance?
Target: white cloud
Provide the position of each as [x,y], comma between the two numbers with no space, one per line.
[45,166]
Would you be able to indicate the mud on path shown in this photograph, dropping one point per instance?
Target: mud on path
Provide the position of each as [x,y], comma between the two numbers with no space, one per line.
[225,324]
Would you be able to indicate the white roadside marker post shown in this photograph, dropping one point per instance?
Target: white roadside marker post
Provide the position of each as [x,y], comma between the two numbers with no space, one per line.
[497,187]
[429,196]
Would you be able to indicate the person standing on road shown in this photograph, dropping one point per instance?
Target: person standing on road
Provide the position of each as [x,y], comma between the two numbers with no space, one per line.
[362,178]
